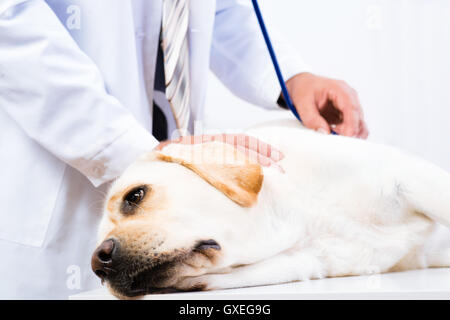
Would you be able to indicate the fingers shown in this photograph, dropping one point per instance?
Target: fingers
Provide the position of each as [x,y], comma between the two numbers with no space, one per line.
[261,148]
[342,101]
[364,131]
[258,151]
[311,118]
[256,157]
[345,99]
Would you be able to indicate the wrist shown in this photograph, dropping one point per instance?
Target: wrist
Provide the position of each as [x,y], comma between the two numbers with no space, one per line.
[297,79]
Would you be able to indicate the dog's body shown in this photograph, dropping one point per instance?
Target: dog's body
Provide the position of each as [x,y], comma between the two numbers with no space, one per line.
[339,206]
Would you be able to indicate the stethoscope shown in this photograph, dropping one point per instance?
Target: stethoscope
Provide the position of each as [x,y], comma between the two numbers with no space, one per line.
[284,90]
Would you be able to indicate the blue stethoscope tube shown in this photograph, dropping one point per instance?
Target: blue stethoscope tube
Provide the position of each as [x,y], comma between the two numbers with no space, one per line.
[286,95]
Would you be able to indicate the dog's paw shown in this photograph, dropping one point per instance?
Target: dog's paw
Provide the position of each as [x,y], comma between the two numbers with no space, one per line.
[311,268]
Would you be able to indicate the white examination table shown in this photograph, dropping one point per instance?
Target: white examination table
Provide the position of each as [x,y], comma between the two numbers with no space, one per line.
[416,284]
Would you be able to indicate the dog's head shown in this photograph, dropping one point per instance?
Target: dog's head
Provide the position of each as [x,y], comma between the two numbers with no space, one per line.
[176,214]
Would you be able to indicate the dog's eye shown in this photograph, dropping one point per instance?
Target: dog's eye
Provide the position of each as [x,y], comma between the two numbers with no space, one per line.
[133,198]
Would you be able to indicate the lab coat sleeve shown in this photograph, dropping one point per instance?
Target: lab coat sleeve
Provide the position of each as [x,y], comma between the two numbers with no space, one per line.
[240,59]
[57,95]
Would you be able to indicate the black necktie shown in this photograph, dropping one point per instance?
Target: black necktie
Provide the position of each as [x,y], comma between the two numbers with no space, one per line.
[159,127]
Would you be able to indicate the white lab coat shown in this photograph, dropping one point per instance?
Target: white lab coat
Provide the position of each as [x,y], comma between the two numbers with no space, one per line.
[76,85]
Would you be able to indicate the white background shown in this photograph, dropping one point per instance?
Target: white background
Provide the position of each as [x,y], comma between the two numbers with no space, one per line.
[395,53]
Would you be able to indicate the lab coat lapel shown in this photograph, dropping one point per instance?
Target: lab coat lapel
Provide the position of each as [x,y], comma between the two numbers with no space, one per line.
[150,21]
[201,23]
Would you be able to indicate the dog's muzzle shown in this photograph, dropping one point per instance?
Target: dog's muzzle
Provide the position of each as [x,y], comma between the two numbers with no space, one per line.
[126,273]
[131,275]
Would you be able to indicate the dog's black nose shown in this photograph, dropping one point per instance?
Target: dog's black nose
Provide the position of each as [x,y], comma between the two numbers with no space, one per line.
[102,259]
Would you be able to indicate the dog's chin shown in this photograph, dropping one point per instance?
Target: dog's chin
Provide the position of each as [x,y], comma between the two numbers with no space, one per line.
[138,292]
[143,283]
[148,281]
[138,288]
[165,278]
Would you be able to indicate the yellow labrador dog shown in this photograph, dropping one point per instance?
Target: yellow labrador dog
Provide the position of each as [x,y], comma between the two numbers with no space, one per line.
[202,217]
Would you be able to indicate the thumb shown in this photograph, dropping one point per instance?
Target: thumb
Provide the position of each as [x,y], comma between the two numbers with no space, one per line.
[311,118]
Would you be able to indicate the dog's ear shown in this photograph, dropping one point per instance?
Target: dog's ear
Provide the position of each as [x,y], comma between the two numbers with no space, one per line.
[220,164]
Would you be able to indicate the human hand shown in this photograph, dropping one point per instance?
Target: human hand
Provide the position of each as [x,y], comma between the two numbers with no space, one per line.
[324,104]
[256,150]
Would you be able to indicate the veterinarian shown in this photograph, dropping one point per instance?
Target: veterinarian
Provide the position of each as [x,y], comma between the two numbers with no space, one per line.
[85,88]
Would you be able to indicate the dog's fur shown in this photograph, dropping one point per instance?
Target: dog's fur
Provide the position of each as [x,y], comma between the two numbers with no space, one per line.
[338,206]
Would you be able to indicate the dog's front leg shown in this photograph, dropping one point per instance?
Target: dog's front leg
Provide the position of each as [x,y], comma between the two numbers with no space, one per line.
[285,267]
